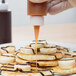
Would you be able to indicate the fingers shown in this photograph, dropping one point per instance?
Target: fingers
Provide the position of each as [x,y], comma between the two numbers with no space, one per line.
[38,1]
[57,7]
[52,3]
[72,2]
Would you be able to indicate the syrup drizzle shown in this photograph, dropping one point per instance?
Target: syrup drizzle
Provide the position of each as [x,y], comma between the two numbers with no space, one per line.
[36,30]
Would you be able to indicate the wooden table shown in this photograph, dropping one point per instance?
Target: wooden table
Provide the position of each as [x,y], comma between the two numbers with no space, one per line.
[65,33]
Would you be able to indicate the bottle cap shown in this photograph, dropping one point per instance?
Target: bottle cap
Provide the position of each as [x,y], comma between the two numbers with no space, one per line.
[37,20]
[3,6]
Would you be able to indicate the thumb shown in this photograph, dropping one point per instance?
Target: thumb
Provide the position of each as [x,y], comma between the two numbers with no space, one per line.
[72,2]
[59,7]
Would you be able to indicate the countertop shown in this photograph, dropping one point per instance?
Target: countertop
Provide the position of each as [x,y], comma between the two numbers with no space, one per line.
[64,33]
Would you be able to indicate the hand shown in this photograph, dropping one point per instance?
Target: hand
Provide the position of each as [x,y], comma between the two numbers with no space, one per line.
[57,6]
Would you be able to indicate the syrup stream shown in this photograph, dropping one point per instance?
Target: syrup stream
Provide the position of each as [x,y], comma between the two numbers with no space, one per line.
[36,30]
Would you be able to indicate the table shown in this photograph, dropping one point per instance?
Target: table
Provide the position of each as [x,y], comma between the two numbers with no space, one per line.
[64,33]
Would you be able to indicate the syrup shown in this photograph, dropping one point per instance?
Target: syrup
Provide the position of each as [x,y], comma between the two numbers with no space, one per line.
[36,30]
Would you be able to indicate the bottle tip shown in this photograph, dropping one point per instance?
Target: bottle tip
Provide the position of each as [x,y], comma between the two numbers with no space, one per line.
[3,1]
[37,20]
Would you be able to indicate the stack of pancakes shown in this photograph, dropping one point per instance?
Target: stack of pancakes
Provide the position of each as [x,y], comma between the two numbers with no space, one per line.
[47,54]
[50,59]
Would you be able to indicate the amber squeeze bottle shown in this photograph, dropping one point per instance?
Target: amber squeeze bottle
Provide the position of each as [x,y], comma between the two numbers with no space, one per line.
[36,11]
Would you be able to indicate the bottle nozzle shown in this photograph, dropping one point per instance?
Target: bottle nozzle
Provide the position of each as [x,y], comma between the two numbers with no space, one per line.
[3,1]
[3,6]
[37,20]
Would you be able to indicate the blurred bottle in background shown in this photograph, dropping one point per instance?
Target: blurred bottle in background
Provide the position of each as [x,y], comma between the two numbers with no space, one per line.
[5,23]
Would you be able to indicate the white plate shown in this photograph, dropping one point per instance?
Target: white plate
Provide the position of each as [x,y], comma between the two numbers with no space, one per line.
[23,44]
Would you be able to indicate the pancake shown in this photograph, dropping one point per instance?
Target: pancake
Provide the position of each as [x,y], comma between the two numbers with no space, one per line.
[21,61]
[58,55]
[62,48]
[7,58]
[74,52]
[44,63]
[48,50]
[74,56]
[11,68]
[40,41]
[7,66]
[9,49]
[60,71]
[66,63]
[40,63]
[67,55]
[8,73]
[16,73]
[50,45]
[39,45]
[2,51]
[27,50]
[36,57]
[1,65]
[23,67]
